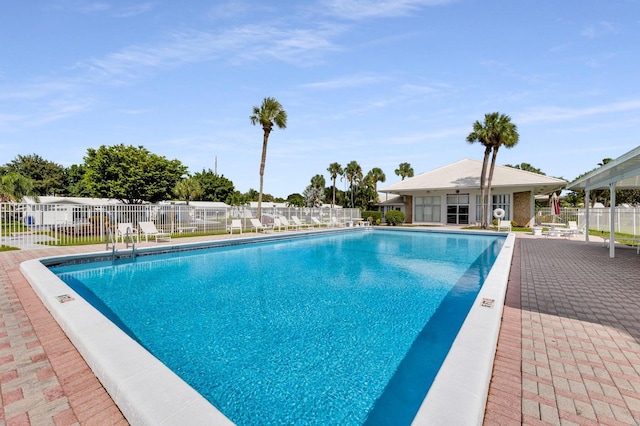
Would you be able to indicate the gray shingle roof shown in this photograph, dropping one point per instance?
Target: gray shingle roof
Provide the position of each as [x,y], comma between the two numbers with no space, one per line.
[466,174]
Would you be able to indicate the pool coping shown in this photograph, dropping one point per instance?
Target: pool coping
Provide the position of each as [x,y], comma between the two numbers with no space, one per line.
[148,392]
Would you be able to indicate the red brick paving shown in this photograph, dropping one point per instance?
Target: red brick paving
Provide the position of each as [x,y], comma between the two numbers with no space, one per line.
[568,351]
[572,315]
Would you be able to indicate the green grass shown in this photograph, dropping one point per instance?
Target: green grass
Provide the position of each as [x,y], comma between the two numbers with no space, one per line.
[7,248]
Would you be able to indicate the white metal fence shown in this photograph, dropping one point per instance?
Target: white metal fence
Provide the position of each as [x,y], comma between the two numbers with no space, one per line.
[627,219]
[32,225]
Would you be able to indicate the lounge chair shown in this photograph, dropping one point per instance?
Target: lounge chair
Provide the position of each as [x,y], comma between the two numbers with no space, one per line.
[258,226]
[300,224]
[126,230]
[277,224]
[572,229]
[235,224]
[148,229]
[287,224]
[333,222]
[317,221]
[504,225]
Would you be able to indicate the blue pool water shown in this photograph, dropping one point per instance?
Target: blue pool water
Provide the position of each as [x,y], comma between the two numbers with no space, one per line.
[347,328]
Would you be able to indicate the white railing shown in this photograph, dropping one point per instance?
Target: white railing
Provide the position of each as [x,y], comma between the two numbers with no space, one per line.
[627,219]
[31,225]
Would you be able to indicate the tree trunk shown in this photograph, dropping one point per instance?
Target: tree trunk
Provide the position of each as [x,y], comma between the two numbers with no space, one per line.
[262,163]
[483,218]
[493,166]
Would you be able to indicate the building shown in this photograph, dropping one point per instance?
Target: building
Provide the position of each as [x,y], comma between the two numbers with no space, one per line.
[450,195]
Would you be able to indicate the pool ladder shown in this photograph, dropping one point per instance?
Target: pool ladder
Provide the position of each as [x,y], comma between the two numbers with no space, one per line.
[128,234]
[112,239]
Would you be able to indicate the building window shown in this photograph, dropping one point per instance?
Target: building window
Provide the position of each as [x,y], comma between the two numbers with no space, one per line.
[458,209]
[499,201]
[427,209]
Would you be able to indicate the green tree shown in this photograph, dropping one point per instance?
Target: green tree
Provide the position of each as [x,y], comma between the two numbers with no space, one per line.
[268,114]
[237,198]
[188,189]
[130,174]
[497,130]
[353,173]
[527,168]
[314,193]
[404,170]
[252,194]
[376,175]
[14,186]
[48,177]
[74,186]
[295,200]
[214,187]
[335,170]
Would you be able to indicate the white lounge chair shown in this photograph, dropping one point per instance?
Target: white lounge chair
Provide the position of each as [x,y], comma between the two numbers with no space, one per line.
[148,229]
[571,230]
[334,222]
[235,224]
[300,224]
[126,230]
[258,226]
[287,224]
[504,225]
[317,221]
[277,224]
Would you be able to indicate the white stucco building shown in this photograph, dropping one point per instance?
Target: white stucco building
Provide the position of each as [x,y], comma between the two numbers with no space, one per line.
[451,194]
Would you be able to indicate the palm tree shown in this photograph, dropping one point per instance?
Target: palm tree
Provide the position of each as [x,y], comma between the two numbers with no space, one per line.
[505,134]
[376,175]
[404,170]
[188,189]
[14,186]
[353,173]
[496,130]
[268,114]
[335,170]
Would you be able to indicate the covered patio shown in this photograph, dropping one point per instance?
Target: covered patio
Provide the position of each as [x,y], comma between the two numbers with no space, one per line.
[621,173]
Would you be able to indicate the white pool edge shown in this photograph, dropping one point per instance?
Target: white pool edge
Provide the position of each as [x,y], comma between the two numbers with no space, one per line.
[145,390]
[458,395]
[149,393]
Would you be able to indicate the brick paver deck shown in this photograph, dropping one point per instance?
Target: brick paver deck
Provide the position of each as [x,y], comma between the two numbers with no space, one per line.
[568,351]
[574,359]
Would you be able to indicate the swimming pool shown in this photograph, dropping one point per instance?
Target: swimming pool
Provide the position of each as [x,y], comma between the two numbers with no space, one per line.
[319,302]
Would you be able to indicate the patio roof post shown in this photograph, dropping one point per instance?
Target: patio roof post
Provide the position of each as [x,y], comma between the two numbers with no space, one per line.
[612,220]
[586,216]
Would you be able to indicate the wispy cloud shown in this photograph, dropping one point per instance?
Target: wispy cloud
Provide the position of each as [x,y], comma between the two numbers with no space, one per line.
[134,10]
[554,113]
[350,81]
[360,9]
[600,29]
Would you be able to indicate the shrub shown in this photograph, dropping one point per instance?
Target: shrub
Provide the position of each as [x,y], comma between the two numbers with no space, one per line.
[373,217]
[394,217]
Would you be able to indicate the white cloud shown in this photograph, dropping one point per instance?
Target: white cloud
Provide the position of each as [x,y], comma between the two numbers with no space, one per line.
[554,113]
[356,80]
[359,9]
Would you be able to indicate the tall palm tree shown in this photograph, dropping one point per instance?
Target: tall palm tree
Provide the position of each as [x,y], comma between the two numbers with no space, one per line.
[496,130]
[353,173]
[506,134]
[188,189]
[268,114]
[376,175]
[404,170]
[335,170]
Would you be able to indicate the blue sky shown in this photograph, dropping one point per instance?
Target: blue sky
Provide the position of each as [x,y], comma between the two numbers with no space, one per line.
[379,82]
